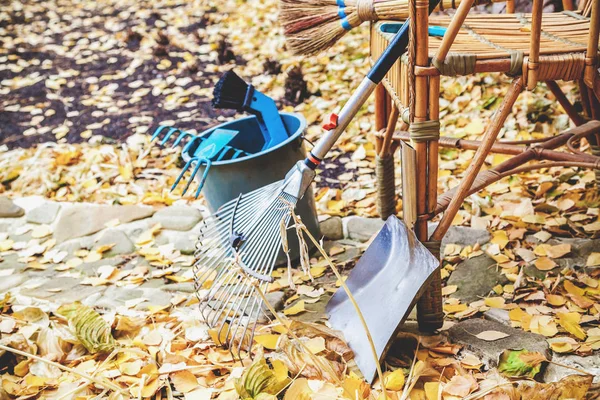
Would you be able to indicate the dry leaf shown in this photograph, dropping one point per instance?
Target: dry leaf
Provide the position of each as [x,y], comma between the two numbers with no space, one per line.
[490,336]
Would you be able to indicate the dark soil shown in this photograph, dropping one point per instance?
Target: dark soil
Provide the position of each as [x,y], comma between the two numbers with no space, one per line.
[95,23]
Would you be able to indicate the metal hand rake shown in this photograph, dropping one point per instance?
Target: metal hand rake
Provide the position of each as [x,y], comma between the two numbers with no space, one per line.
[209,146]
[239,244]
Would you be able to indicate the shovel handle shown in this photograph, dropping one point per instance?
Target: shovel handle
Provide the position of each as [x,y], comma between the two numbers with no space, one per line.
[385,62]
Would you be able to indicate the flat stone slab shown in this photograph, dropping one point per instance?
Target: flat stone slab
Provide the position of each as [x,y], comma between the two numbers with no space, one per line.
[85,219]
[475,278]
[43,214]
[122,244]
[590,364]
[63,290]
[466,236]
[178,218]
[465,332]
[361,229]
[8,209]
[332,228]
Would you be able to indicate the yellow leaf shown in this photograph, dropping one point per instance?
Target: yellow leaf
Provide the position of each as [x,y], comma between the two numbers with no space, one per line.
[571,288]
[104,248]
[184,381]
[219,336]
[593,260]
[35,381]
[570,322]
[316,272]
[495,302]
[395,380]
[126,172]
[431,390]
[555,300]
[454,308]
[131,368]
[475,127]
[500,238]
[280,370]
[295,309]
[356,387]
[336,206]
[544,264]
[22,368]
[268,341]
[299,390]
[516,314]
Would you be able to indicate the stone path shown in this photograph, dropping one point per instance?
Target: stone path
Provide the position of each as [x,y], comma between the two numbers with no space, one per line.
[56,253]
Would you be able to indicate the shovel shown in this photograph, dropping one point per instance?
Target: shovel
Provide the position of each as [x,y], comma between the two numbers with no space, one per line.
[386,282]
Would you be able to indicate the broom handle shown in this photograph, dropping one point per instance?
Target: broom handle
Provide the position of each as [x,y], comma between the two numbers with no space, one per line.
[392,53]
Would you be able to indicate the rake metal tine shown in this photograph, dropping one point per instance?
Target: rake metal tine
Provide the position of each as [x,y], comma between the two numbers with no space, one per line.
[223,296]
[182,173]
[204,175]
[182,136]
[193,174]
[158,131]
[168,135]
[262,262]
[223,152]
[237,153]
[191,143]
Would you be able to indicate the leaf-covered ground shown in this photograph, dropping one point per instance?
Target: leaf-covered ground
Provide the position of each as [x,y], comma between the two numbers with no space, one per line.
[98,77]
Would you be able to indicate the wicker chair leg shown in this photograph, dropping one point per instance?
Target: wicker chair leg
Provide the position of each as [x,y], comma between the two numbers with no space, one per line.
[430,313]
[386,187]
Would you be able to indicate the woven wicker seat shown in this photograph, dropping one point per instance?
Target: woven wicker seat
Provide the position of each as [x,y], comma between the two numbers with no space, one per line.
[531,48]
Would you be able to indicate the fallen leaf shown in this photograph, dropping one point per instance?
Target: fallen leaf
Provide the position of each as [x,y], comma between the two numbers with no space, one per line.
[593,260]
[268,341]
[184,381]
[520,363]
[544,264]
[297,308]
[570,322]
[490,336]
[394,380]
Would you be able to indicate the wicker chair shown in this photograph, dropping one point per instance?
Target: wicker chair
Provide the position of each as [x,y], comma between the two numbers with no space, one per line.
[530,48]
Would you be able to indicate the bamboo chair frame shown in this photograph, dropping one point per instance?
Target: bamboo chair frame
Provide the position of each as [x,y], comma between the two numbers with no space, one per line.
[549,52]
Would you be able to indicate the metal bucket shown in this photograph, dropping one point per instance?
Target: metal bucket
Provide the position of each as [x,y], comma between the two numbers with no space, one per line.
[227,179]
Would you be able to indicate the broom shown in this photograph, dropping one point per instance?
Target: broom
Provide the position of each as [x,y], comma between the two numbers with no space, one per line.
[311,26]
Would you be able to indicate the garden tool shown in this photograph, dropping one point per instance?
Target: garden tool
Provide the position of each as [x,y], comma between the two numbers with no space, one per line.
[386,283]
[312,26]
[231,92]
[239,244]
[211,145]
[212,148]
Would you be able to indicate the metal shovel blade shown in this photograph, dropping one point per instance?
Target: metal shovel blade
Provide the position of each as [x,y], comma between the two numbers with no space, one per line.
[386,283]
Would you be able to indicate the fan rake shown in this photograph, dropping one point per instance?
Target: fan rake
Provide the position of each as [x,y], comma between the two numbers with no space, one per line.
[229,264]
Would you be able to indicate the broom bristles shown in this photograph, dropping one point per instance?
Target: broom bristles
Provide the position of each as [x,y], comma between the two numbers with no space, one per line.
[230,91]
[312,26]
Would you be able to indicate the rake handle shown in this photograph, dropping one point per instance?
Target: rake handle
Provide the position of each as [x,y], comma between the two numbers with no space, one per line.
[395,49]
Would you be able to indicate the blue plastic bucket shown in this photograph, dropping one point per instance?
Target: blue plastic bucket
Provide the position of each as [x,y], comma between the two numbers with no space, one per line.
[227,179]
